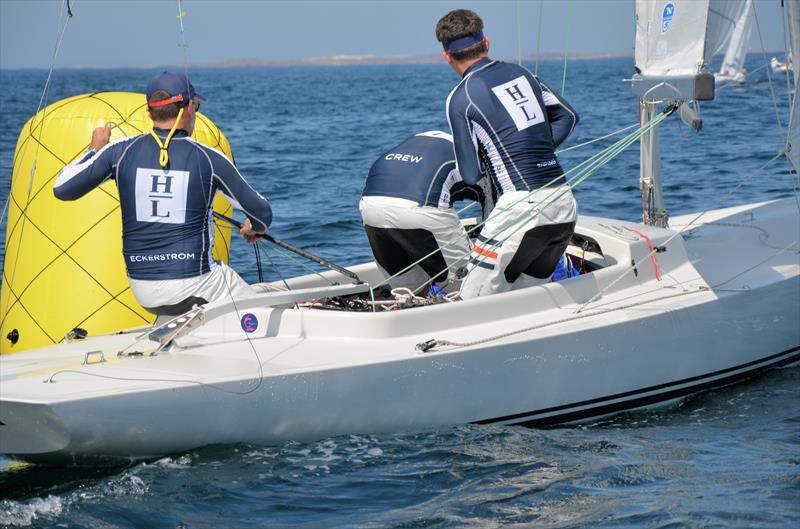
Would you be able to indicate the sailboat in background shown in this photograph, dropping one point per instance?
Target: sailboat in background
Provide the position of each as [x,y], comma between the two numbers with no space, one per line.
[732,69]
[658,314]
[782,67]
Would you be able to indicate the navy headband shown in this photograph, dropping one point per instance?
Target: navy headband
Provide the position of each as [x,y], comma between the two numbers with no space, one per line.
[464,42]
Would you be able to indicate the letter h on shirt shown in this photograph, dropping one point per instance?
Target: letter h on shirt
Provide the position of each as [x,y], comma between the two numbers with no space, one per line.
[161,195]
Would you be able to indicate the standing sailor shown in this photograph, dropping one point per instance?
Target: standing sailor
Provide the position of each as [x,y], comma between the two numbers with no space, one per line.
[167,183]
[407,210]
[507,124]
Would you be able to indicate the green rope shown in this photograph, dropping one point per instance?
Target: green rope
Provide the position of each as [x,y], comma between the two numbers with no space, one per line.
[566,46]
[592,164]
[579,173]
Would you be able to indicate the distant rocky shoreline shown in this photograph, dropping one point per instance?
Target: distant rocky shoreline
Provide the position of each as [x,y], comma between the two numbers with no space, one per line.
[349,60]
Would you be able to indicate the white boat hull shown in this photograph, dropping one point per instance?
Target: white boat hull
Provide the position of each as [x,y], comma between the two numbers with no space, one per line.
[726,306]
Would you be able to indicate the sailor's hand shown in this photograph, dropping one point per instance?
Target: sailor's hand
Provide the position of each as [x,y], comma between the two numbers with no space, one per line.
[247,231]
[101,136]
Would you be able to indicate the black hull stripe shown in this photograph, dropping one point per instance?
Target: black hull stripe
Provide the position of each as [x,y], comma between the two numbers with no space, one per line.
[526,420]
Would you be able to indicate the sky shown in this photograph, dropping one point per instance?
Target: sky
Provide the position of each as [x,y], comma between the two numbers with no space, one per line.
[131,33]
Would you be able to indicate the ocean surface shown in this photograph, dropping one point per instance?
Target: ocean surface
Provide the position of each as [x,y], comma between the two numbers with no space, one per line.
[305,137]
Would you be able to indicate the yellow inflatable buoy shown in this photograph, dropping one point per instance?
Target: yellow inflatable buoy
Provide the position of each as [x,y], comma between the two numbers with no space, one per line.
[63,266]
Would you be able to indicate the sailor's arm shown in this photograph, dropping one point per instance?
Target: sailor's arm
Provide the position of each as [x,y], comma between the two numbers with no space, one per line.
[561,115]
[463,144]
[90,170]
[243,197]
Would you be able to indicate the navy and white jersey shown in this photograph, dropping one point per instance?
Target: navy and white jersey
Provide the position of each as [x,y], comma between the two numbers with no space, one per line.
[423,169]
[507,124]
[167,229]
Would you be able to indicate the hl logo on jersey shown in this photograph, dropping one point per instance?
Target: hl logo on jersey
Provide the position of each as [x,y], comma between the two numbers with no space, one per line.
[520,102]
[161,195]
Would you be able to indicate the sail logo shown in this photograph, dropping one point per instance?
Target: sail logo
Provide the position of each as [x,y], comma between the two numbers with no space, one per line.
[520,102]
[161,195]
[666,16]
[249,323]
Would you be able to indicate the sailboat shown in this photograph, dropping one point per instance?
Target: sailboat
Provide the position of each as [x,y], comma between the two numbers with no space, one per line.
[732,69]
[781,67]
[664,308]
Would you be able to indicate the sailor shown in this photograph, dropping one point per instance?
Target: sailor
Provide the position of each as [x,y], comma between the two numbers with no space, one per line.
[167,183]
[407,209]
[506,124]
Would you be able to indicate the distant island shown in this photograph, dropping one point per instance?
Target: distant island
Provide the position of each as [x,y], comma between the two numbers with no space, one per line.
[349,60]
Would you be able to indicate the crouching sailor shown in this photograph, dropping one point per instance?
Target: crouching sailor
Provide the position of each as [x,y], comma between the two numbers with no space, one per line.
[408,216]
[166,183]
[507,124]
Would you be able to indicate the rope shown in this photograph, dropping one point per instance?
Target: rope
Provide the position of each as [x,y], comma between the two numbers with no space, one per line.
[629,127]
[431,344]
[434,343]
[184,47]
[679,232]
[163,155]
[519,34]
[258,263]
[539,37]
[566,46]
[274,267]
[784,22]
[581,172]
[62,28]
[769,76]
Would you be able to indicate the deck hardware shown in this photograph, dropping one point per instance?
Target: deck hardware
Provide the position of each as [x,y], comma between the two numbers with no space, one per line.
[178,326]
[426,346]
[130,353]
[76,334]
[13,336]
[86,357]
[660,249]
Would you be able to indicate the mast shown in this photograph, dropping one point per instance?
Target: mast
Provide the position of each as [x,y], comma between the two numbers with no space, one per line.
[675,40]
[653,211]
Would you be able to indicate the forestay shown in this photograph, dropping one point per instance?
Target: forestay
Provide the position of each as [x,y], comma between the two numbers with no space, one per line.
[793,141]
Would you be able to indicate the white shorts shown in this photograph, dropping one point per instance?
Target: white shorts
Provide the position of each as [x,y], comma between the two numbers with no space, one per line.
[388,213]
[222,282]
[515,215]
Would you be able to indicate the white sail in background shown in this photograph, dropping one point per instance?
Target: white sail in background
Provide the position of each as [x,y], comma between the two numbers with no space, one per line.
[733,63]
[679,37]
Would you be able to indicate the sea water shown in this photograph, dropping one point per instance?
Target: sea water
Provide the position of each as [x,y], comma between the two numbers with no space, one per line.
[305,137]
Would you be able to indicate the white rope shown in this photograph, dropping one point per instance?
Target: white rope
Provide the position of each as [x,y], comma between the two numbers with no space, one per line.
[784,23]
[519,34]
[260,369]
[63,19]
[539,37]
[430,344]
[769,76]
